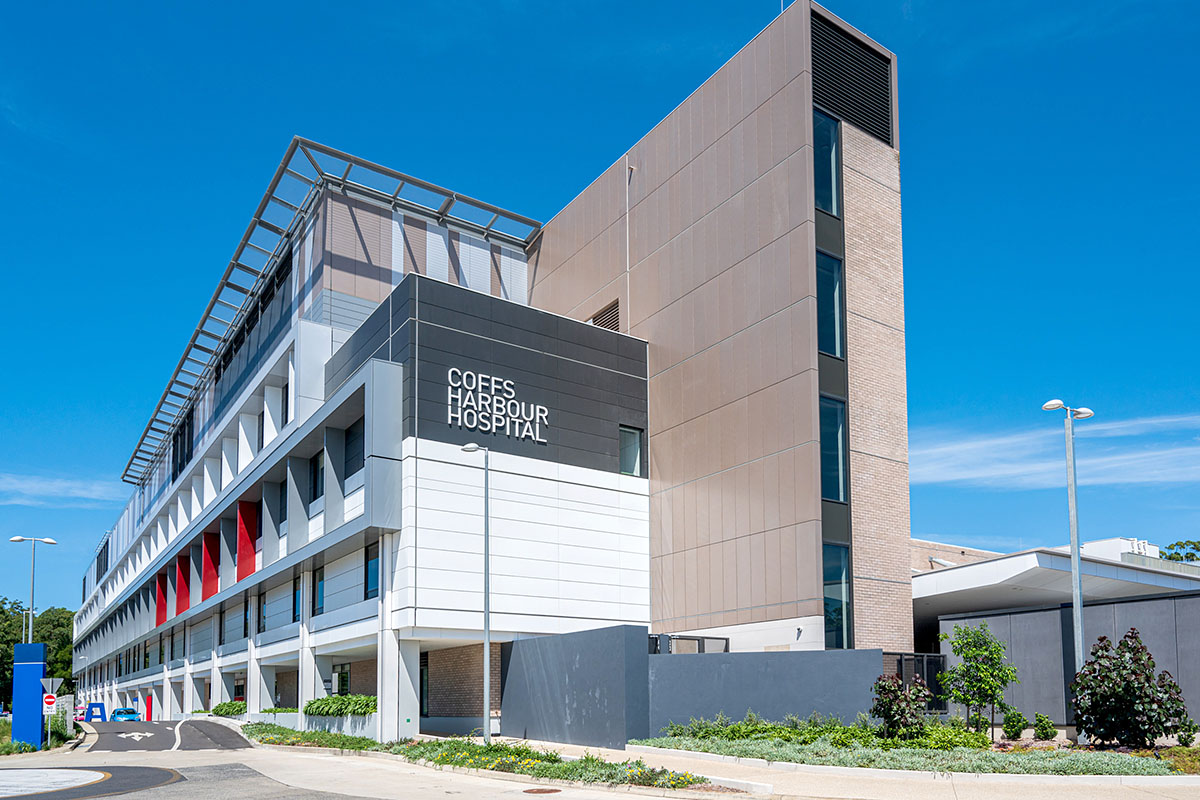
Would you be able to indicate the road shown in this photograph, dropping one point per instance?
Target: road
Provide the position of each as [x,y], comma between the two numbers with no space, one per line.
[192,734]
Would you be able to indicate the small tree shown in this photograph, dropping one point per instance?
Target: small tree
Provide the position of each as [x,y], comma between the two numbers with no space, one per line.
[1185,550]
[900,708]
[1118,698]
[978,681]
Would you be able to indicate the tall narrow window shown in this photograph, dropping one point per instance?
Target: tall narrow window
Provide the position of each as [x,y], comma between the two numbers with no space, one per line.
[316,474]
[283,412]
[246,619]
[318,598]
[831,334]
[355,447]
[836,569]
[261,626]
[221,627]
[283,500]
[833,450]
[296,591]
[631,451]
[827,164]
[371,575]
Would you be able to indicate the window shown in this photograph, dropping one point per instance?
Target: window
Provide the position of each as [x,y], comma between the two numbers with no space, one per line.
[827,164]
[833,450]
[836,568]
[246,619]
[172,649]
[283,413]
[261,624]
[296,586]
[371,576]
[341,679]
[631,451]
[355,447]
[318,598]
[262,430]
[161,650]
[831,334]
[221,627]
[316,476]
[283,500]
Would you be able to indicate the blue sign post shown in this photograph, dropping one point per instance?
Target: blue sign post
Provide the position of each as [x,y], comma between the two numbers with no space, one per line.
[29,667]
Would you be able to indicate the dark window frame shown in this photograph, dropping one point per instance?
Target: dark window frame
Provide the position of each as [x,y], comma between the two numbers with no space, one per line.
[845,447]
[841,262]
[369,592]
[318,593]
[839,194]
[641,434]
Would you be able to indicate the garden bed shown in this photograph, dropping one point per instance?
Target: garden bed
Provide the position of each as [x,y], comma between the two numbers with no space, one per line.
[498,757]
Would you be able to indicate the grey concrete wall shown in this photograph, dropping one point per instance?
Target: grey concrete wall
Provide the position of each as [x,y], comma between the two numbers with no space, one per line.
[585,688]
[1039,644]
[831,682]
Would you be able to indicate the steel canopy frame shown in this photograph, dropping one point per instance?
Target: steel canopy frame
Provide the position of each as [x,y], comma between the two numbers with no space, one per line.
[297,183]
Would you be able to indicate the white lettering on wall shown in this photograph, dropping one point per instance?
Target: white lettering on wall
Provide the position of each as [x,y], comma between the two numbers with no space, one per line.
[489,404]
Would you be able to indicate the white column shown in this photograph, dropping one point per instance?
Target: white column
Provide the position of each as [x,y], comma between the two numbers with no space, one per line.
[212,479]
[273,401]
[229,461]
[183,505]
[253,671]
[247,439]
[199,498]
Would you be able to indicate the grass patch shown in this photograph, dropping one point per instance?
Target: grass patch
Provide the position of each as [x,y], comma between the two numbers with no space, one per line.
[7,746]
[962,759]
[270,733]
[1185,760]
[513,758]
[524,760]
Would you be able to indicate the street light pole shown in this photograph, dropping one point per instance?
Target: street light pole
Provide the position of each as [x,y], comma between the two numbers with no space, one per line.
[487,600]
[33,540]
[1073,520]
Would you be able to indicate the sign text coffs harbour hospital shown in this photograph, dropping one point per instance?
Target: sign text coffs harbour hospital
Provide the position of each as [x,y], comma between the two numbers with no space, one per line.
[489,404]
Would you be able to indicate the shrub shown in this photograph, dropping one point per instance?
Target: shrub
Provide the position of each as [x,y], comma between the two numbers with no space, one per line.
[12,748]
[947,737]
[1186,734]
[900,707]
[1043,728]
[978,681]
[230,708]
[1117,696]
[270,733]
[342,705]
[1015,724]
[281,710]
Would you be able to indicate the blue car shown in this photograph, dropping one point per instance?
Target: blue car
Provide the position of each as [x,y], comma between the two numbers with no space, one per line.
[126,715]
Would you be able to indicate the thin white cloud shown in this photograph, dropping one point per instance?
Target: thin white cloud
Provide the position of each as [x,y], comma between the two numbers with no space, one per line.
[1122,452]
[39,490]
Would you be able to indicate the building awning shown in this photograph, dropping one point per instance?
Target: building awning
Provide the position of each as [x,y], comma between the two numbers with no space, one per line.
[1034,578]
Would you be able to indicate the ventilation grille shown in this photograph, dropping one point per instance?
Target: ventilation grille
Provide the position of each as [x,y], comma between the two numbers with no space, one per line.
[851,80]
[609,316]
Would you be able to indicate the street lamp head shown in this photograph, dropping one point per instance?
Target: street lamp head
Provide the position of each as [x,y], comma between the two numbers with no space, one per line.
[1052,405]
[17,539]
[47,540]
[1083,413]
[470,447]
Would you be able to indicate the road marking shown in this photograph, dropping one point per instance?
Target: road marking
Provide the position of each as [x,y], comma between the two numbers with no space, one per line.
[177,732]
[137,736]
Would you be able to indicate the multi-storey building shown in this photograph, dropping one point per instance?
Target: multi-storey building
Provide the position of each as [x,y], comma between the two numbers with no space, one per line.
[690,381]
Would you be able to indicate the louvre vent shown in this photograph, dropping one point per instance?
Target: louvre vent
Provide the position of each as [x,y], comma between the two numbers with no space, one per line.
[609,316]
[851,80]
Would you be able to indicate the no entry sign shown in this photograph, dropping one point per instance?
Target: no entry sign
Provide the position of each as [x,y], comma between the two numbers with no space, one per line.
[48,701]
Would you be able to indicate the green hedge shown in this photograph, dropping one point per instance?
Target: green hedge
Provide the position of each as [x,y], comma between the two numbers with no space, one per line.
[344,705]
[281,710]
[230,708]
[270,733]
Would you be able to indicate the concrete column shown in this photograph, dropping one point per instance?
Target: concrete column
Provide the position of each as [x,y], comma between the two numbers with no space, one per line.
[273,401]
[335,478]
[308,684]
[270,523]
[254,680]
[212,479]
[247,441]
[299,490]
[199,498]
[399,662]
[196,581]
[183,508]
[229,461]
[260,690]
[216,685]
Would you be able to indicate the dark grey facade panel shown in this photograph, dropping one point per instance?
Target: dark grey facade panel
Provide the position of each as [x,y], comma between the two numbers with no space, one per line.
[851,80]
[1040,645]
[591,381]
[584,688]
[834,683]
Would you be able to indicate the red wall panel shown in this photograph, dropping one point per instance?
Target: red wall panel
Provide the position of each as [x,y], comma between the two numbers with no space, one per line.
[160,598]
[247,538]
[183,584]
[210,576]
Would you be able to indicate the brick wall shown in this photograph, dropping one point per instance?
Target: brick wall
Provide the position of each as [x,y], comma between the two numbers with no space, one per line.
[287,689]
[921,551]
[878,399]
[363,677]
[455,681]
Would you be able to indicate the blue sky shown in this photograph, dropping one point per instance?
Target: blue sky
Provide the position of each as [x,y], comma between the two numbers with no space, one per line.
[1049,173]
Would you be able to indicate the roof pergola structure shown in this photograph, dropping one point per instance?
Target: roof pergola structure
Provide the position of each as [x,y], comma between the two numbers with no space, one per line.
[308,168]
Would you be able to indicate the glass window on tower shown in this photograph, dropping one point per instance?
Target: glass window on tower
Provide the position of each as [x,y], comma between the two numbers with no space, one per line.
[631,451]
[836,568]
[831,334]
[833,450]
[827,164]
